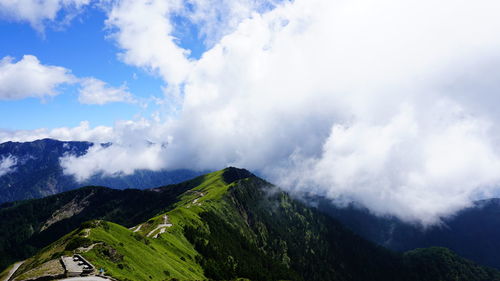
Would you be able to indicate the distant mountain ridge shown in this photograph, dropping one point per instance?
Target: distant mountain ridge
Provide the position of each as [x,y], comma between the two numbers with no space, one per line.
[226,225]
[473,233]
[38,172]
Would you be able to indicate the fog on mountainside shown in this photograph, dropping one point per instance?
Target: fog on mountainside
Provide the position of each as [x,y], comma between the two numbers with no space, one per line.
[35,171]
[473,232]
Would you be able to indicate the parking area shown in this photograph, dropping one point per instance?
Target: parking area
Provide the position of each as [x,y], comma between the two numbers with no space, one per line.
[76,266]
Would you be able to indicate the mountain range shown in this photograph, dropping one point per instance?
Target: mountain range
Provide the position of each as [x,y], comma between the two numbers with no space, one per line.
[37,171]
[226,225]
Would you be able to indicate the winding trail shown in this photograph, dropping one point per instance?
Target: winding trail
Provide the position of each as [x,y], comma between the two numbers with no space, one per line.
[13,270]
[86,249]
[138,228]
[162,227]
[195,201]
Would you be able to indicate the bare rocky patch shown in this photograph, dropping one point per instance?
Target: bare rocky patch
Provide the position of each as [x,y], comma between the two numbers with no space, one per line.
[67,211]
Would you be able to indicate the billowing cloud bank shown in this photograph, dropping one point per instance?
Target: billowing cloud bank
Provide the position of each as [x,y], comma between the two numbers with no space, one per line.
[388,103]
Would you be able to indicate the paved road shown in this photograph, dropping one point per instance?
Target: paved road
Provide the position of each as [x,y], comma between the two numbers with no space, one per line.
[162,227]
[88,278]
[14,268]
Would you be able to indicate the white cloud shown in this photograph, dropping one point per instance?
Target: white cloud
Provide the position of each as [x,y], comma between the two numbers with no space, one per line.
[7,164]
[38,12]
[148,34]
[389,103]
[29,78]
[94,91]
[145,36]
[114,160]
[83,132]
[217,18]
[418,169]
[134,145]
[353,100]
[130,145]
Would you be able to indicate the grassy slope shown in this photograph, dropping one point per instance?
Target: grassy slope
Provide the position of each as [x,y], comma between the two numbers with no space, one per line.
[232,225]
[21,223]
[186,212]
[140,258]
[123,254]
[144,256]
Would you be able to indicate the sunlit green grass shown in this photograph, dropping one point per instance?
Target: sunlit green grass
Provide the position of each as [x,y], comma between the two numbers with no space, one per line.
[143,258]
[137,257]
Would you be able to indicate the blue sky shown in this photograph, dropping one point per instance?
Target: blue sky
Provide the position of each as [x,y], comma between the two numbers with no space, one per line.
[84,47]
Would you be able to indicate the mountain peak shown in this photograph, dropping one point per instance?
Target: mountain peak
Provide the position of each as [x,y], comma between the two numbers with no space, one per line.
[232,174]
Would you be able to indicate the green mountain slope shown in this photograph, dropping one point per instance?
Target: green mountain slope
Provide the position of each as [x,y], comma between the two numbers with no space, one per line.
[230,225]
[27,226]
[124,255]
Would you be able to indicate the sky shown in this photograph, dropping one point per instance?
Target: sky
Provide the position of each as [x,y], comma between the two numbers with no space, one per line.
[83,48]
[392,104]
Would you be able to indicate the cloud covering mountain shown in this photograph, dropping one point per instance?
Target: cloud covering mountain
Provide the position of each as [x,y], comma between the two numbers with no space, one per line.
[388,103]
[7,164]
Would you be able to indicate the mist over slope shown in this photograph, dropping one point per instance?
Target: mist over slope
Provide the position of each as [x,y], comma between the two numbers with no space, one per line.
[33,170]
[472,233]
